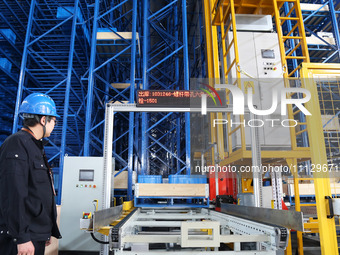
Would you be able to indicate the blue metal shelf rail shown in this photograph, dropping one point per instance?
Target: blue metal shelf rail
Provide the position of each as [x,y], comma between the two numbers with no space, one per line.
[305,199]
[171,202]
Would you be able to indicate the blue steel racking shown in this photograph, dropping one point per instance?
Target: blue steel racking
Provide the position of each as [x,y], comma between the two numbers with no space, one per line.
[113,76]
[138,45]
[13,21]
[62,56]
[321,23]
[165,145]
[53,62]
[196,40]
[322,19]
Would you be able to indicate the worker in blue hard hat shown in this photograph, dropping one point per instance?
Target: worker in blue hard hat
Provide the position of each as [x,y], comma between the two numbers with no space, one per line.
[39,108]
[27,197]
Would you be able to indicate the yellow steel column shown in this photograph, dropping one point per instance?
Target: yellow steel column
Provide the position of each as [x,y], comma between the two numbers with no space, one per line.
[209,60]
[208,36]
[292,162]
[224,35]
[213,72]
[237,63]
[288,250]
[280,35]
[328,239]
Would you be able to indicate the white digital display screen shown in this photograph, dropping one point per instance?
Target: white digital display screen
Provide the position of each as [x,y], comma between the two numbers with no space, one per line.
[267,54]
[86,175]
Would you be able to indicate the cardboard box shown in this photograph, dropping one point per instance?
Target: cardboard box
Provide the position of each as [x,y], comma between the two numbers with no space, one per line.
[52,249]
[308,189]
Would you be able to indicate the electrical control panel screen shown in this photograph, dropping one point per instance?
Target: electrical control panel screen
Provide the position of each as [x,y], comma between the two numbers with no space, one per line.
[86,175]
[267,53]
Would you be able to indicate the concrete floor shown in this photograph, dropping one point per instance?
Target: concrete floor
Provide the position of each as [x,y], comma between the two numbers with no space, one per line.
[311,247]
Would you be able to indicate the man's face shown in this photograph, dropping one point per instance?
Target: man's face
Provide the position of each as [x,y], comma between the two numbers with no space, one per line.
[49,125]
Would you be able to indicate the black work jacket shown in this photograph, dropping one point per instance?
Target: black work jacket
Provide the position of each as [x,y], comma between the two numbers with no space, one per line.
[27,205]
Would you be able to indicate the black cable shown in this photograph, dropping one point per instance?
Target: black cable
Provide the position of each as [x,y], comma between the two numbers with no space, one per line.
[97,240]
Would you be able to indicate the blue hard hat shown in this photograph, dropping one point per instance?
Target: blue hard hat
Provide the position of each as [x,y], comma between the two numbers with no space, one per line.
[38,104]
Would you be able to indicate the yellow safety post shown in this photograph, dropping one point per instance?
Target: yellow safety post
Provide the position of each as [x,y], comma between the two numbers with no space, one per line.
[288,250]
[211,40]
[328,239]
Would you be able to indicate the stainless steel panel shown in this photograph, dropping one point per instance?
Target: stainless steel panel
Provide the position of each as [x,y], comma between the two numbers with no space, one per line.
[284,218]
[104,217]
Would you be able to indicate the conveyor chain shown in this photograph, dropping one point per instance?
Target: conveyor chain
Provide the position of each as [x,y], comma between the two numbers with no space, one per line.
[115,229]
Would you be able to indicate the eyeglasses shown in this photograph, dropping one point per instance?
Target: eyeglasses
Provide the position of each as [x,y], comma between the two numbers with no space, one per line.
[55,121]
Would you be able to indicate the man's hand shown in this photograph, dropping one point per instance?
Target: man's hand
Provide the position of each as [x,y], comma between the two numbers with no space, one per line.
[26,248]
[48,242]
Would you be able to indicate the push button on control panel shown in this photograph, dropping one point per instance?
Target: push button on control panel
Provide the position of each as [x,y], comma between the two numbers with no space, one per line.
[86,186]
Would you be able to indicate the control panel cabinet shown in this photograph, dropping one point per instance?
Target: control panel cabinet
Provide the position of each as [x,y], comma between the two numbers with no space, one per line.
[261,76]
[82,183]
